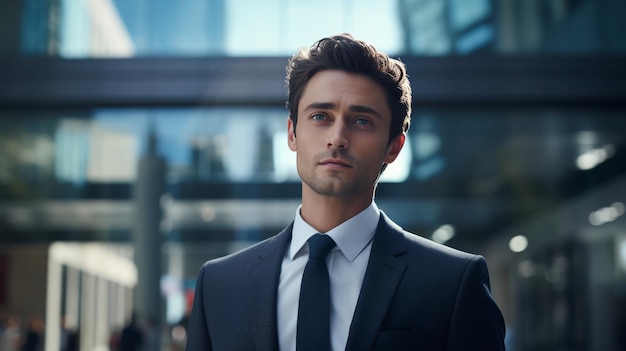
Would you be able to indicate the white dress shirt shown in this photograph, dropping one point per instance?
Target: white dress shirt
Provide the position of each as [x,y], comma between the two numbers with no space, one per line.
[346,263]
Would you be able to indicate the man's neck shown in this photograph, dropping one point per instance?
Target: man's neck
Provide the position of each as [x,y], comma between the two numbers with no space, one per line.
[325,213]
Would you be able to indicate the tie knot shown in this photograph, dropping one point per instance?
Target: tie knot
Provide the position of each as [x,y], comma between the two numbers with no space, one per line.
[320,245]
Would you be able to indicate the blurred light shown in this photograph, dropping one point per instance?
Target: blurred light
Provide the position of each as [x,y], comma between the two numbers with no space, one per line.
[606,214]
[552,276]
[208,214]
[179,333]
[443,233]
[594,157]
[526,269]
[425,145]
[559,266]
[619,207]
[518,243]
[170,284]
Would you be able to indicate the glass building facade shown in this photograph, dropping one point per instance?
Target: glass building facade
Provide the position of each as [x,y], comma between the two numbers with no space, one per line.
[140,138]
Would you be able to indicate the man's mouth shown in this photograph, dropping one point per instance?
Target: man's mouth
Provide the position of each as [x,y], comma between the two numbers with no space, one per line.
[334,162]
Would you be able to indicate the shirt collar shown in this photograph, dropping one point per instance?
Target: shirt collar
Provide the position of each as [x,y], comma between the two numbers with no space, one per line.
[351,236]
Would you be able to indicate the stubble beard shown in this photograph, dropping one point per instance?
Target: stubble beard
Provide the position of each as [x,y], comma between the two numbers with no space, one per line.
[330,186]
[334,184]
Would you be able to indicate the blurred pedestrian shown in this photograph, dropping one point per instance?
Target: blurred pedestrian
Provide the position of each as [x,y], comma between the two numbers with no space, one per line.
[11,337]
[69,334]
[132,336]
[33,340]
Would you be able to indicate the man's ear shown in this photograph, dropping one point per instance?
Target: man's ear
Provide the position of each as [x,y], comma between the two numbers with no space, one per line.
[393,149]
[291,136]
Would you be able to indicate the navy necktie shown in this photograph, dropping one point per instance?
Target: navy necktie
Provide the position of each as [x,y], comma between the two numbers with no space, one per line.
[313,331]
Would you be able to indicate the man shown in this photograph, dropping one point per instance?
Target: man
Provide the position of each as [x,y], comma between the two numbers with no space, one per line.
[349,110]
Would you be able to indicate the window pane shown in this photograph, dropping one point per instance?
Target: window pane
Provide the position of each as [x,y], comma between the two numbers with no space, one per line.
[117,28]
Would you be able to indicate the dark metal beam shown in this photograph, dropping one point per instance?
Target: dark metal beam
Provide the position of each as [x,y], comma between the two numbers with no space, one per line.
[53,82]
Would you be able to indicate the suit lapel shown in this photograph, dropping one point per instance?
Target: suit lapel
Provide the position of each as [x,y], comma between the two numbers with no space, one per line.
[384,271]
[263,276]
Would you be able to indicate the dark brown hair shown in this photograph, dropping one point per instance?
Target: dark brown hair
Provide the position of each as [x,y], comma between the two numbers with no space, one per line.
[343,52]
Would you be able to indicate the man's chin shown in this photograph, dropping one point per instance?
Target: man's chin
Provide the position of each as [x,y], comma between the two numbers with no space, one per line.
[332,187]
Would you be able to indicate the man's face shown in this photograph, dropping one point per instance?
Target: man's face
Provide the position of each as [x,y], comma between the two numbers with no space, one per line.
[342,135]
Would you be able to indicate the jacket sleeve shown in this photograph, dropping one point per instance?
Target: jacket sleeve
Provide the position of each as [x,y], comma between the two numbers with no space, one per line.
[476,323]
[198,337]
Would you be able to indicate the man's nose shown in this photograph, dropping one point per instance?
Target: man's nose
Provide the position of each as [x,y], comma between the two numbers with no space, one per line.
[338,135]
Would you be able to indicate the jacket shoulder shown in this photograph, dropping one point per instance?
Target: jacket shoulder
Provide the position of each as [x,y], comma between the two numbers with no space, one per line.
[401,240]
[421,243]
[251,253]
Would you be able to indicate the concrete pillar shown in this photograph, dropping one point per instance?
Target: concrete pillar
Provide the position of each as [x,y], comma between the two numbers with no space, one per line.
[147,239]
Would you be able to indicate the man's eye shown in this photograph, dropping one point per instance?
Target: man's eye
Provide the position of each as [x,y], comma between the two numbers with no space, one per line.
[362,121]
[318,117]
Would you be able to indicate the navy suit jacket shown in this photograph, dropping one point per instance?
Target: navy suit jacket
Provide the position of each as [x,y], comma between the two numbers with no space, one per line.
[416,295]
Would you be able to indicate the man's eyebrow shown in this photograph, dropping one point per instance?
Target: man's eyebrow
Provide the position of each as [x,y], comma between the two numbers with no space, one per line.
[365,109]
[320,105]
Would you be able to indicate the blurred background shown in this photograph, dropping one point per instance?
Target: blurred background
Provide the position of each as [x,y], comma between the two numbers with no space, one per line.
[139,139]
